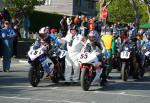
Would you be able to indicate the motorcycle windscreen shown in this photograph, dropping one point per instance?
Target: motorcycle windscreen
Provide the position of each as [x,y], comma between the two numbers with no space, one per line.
[88,58]
[34,53]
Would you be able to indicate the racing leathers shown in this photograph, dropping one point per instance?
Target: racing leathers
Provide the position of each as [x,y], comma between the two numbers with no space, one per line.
[97,47]
[50,44]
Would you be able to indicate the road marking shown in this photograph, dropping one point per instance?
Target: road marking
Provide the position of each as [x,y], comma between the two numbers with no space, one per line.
[23,61]
[35,99]
[17,64]
[109,93]
[121,93]
[54,88]
[81,91]
[15,86]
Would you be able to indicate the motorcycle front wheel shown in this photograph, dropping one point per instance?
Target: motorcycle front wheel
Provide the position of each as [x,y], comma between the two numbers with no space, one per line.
[34,76]
[85,79]
[124,71]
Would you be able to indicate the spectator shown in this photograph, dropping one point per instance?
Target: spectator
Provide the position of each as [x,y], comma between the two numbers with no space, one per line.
[6,14]
[84,26]
[118,28]
[15,26]
[77,20]
[124,36]
[53,35]
[64,26]
[74,46]
[7,35]
[26,24]
[133,31]
[1,17]
[0,40]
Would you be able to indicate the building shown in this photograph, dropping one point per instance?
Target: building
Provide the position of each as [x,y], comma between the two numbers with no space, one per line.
[69,7]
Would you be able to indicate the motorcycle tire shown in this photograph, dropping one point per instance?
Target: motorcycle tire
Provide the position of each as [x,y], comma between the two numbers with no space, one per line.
[124,71]
[141,72]
[84,80]
[136,71]
[55,78]
[34,77]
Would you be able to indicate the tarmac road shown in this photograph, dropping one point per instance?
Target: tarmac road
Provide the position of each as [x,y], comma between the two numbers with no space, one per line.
[15,88]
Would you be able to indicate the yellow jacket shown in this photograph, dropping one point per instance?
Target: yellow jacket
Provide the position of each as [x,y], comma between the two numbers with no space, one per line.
[107,40]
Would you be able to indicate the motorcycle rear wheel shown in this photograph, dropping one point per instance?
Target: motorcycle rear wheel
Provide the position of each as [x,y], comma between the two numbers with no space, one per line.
[55,78]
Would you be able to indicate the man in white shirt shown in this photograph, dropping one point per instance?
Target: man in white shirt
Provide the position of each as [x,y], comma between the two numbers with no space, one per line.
[75,43]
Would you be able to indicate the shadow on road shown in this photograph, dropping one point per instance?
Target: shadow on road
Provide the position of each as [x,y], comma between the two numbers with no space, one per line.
[143,84]
[11,80]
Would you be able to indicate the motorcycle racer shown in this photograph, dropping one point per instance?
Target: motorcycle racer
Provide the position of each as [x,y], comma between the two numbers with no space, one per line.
[50,44]
[94,43]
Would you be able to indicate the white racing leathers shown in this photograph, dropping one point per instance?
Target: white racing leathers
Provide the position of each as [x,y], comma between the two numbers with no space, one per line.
[74,46]
[98,70]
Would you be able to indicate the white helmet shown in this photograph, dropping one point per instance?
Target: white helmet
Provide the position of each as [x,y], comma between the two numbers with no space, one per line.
[43,30]
[43,33]
[93,36]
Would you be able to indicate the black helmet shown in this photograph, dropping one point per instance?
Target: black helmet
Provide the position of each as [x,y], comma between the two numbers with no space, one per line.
[73,27]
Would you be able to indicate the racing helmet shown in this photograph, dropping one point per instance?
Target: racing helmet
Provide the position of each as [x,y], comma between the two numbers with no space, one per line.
[43,33]
[73,27]
[92,36]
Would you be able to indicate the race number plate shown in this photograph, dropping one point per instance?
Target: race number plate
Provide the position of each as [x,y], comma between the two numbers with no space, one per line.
[125,55]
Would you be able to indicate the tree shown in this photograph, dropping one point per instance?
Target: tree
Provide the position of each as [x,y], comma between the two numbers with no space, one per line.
[136,9]
[120,11]
[24,6]
[147,2]
[143,16]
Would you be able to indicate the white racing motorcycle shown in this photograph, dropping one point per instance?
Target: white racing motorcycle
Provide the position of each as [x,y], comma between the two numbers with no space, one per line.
[36,54]
[89,63]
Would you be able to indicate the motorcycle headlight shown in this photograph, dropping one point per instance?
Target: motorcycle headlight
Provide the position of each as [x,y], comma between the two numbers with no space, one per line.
[126,48]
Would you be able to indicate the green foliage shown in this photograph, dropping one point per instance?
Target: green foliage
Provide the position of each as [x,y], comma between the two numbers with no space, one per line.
[120,11]
[147,2]
[143,12]
[97,10]
[40,19]
[25,5]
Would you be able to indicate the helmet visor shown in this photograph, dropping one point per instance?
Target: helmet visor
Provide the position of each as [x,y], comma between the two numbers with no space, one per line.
[92,38]
[42,35]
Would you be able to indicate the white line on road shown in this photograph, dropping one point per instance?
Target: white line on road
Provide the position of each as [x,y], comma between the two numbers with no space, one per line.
[121,93]
[81,91]
[35,99]
[23,61]
[15,86]
[109,93]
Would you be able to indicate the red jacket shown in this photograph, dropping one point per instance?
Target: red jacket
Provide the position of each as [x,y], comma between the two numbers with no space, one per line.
[123,37]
